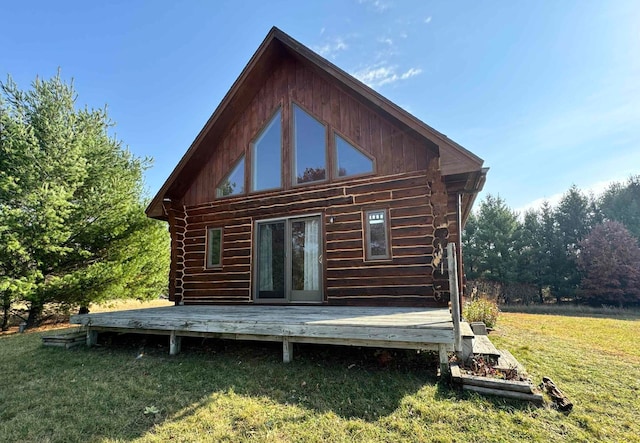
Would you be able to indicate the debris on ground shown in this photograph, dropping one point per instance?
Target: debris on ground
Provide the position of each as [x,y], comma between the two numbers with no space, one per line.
[560,400]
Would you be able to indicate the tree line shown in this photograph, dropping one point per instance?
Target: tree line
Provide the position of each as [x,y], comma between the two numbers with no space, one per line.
[585,249]
[72,224]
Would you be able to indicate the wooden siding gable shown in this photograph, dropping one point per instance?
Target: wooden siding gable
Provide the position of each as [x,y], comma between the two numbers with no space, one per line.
[295,85]
[328,92]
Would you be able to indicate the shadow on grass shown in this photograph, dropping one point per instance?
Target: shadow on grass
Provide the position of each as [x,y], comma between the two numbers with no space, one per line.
[128,384]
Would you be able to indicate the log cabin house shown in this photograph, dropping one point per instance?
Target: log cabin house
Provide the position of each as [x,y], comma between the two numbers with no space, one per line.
[310,209]
[306,186]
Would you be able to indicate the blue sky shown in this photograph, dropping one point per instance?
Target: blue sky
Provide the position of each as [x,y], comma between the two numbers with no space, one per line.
[546,92]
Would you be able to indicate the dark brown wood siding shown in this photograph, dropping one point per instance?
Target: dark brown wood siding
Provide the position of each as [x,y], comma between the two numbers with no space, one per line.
[395,151]
[407,183]
[413,276]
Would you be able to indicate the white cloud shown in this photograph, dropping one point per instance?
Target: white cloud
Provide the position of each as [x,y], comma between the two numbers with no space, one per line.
[386,40]
[331,48]
[377,5]
[410,73]
[380,75]
[595,189]
[427,20]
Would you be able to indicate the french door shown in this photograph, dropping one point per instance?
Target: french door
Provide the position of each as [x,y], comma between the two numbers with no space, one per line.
[289,260]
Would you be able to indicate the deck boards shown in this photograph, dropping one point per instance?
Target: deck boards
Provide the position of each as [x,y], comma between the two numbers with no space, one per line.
[366,326]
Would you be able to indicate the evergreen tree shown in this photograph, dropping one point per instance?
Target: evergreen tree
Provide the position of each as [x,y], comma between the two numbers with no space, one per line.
[621,202]
[490,241]
[470,248]
[573,215]
[72,226]
[531,258]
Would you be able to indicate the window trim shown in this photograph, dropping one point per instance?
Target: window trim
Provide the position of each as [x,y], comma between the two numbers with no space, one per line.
[292,143]
[252,145]
[231,170]
[207,263]
[336,164]
[367,235]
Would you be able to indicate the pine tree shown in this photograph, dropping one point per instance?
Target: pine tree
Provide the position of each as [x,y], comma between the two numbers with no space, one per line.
[621,202]
[490,242]
[72,226]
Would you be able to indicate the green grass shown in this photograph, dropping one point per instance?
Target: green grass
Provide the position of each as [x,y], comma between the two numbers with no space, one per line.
[227,391]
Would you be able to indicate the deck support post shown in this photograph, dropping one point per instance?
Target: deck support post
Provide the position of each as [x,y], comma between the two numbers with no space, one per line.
[444,358]
[287,350]
[92,337]
[174,343]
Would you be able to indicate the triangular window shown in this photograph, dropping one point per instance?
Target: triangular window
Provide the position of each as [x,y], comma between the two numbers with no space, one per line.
[233,183]
[350,160]
[309,143]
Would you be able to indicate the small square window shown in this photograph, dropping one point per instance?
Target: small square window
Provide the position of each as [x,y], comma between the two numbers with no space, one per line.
[214,247]
[377,235]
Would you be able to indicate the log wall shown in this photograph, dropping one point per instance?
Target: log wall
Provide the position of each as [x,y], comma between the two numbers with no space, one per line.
[412,277]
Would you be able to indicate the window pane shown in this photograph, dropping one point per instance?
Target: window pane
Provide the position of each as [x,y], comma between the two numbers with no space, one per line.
[266,164]
[310,147]
[271,256]
[305,255]
[233,183]
[350,160]
[377,235]
[214,252]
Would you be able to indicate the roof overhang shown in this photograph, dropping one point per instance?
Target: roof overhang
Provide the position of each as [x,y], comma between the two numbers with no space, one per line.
[468,185]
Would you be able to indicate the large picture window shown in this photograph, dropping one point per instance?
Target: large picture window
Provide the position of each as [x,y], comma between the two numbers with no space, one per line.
[309,143]
[266,159]
[377,235]
[214,247]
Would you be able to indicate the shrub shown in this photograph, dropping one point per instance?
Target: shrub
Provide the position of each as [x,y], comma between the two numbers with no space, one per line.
[481,309]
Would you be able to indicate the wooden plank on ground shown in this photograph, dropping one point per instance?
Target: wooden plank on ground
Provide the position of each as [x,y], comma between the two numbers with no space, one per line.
[535,398]
[497,383]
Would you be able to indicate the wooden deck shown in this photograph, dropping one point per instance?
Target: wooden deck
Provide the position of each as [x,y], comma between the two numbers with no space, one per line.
[391,327]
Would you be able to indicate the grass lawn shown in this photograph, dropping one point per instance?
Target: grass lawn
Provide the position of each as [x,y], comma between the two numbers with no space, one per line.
[227,391]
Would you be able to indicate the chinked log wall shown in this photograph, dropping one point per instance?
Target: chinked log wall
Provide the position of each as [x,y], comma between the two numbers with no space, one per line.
[419,226]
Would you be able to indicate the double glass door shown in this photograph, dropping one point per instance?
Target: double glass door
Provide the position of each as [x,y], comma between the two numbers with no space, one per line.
[289,260]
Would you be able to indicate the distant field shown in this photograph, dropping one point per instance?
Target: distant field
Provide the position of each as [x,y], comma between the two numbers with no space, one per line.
[131,390]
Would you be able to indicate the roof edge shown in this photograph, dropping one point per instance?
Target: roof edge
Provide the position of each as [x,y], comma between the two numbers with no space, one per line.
[154,209]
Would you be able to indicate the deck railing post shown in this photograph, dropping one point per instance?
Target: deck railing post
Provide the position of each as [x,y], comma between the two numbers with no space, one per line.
[454,296]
